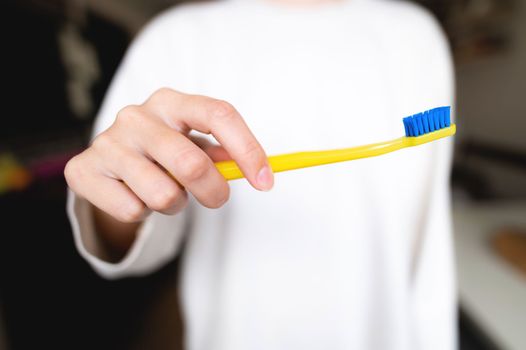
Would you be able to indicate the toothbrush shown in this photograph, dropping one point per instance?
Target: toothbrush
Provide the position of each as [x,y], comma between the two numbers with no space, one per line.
[420,128]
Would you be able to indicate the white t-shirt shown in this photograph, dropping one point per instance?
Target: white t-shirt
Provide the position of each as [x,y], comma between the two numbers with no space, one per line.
[355,255]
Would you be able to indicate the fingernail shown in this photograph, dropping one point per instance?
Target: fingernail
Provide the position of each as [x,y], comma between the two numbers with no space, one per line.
[265,179]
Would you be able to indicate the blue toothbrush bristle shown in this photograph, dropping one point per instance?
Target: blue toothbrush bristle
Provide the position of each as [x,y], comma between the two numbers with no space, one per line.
[428,121]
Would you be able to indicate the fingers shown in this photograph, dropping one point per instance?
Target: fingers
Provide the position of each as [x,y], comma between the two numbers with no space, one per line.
[96,188]
[185,161]
[183,112]
[122,182]
[216,152]
[146,160]
[150,183]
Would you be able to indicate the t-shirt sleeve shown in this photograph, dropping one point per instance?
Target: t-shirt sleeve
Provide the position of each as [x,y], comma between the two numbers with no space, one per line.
[158,240]
[148,65]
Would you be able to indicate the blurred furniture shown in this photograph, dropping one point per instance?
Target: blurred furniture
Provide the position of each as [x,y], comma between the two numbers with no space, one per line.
[492,292]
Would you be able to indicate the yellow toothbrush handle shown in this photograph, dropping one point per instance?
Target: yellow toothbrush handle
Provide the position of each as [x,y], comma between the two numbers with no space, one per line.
[284,162]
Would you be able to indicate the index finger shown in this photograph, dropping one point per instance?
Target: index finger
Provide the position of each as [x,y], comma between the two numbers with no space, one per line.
[222,120]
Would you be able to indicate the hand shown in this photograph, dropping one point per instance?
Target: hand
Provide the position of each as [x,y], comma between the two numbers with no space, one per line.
[125,171]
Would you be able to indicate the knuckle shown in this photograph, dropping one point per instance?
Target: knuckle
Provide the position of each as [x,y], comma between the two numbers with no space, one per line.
[192,166]
[72,171]
[102,141]
[164,199]
[163,91]
[252,150]
[110,151]
[132,212]
[127,114]
[161,94]
[222,111]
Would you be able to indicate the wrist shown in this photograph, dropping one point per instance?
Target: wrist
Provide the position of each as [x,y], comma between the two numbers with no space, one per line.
[115,237]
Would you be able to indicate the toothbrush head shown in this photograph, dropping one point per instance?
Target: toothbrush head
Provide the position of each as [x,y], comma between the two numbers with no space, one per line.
[428,121]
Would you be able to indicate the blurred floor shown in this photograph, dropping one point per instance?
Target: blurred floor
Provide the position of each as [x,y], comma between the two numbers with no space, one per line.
[492,290]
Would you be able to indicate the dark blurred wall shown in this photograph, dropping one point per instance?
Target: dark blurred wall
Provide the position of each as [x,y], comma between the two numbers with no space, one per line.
[488,40]
[49,296]
[32,74]
[491,93]
[491,87]
[132,14]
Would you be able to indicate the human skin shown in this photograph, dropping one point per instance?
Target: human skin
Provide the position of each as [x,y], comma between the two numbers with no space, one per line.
[124,171]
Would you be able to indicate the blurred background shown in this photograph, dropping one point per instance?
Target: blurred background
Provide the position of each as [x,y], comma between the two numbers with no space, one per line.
[59,57]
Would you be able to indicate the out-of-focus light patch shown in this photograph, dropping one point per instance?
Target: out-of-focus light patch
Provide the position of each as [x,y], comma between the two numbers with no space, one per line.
[13,176]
